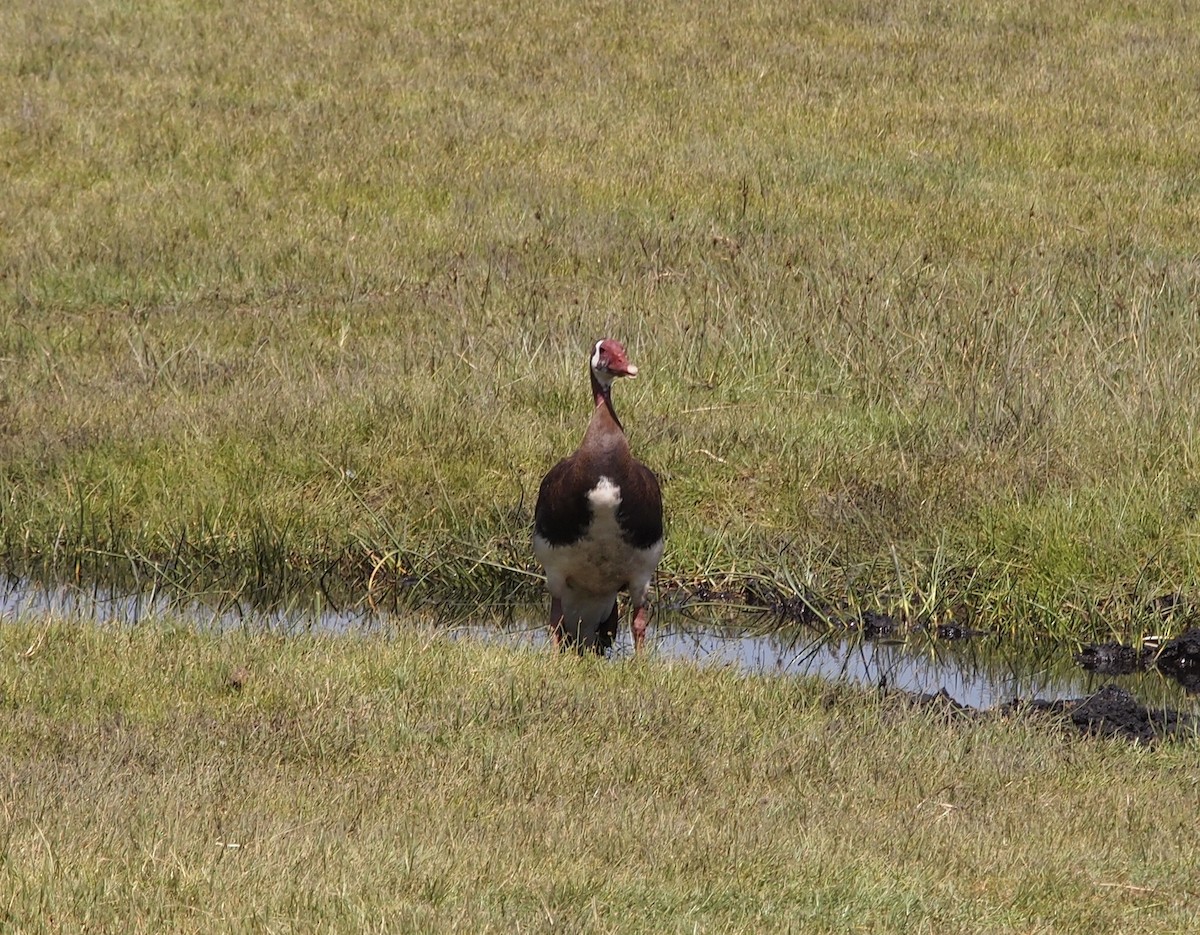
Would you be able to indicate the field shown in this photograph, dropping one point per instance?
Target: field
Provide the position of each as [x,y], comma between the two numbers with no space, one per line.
[159,779]
[295,303]
[912,288]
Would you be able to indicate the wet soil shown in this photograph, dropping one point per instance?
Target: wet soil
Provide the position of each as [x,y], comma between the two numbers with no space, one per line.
[1109,711]
[1112,711]
[1178,658]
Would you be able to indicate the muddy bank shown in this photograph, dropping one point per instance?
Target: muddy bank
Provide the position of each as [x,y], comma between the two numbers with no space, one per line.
[1178,658]
[1111,711]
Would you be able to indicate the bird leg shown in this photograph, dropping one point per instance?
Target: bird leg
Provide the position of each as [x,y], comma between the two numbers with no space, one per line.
[556,622]
[639,628]
[606,633]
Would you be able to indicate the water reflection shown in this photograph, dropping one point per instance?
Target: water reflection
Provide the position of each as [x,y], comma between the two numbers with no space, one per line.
[218,611]
[981,672]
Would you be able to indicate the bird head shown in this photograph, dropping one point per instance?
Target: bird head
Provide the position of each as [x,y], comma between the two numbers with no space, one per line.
[609,361]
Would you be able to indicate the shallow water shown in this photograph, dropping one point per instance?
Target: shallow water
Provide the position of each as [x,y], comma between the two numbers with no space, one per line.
[980,672]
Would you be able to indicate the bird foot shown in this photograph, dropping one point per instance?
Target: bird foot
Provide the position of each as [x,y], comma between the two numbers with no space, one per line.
[639,628]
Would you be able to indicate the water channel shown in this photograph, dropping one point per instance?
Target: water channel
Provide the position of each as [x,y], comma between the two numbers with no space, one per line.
[980,672]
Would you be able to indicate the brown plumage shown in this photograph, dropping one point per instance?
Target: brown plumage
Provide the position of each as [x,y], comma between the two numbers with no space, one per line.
[598,522]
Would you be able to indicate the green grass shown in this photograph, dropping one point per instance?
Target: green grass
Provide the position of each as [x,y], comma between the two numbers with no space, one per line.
[411,783]
[306,289]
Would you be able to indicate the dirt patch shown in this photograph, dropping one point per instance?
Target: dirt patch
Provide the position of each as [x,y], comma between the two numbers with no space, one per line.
[1178,658]
[1109,712]
[1114,712]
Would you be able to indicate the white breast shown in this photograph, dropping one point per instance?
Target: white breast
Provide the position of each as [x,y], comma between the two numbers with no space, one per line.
[587,574]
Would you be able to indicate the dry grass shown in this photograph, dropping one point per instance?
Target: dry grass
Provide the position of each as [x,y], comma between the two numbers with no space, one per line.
[411,783]
[912,287]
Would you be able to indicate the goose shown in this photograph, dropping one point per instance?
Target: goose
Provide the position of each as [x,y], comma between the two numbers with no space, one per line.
[597,527]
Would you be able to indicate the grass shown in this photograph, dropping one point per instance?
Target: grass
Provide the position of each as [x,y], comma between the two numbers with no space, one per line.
[305,290]
[412,783]
[297,295]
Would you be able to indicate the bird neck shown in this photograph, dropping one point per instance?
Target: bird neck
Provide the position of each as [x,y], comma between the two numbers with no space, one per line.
[602,393]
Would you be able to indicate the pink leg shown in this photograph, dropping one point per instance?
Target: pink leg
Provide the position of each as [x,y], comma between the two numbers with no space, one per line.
[639,628]
[556,621]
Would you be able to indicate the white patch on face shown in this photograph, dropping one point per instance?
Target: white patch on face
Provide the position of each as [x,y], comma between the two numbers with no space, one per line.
[602,375]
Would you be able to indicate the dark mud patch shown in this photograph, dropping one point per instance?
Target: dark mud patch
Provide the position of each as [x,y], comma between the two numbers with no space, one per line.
[1177,658]
[1180,658]
[1112,711]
